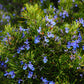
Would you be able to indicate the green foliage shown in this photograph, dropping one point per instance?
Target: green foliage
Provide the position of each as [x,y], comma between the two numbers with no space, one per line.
[62,61]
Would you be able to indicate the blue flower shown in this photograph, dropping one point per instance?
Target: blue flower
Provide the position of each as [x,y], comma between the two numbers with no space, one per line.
[7,17]
[39,30]
[76,5]
[21,29]
[6,73]
[5,66]
[21,62]
[3,16]
[1,31]
[25,67]
[53,23]
[19,80]
[31,66]
[50,35]
[55,16]
[81,75]
[46,40]
[45,59]
[7,60]
[74,44]
[79,37]
[5,39]
[14,14]
[22,48]
[82,47]
[2,63]
[80,57]
[27,47]
[67,15]
[60,14]
[73,0]
[18,50]
[34,77]
[41,1]
[44,80]
[45,11]
[23,35]
[26,42]
[37,40]
[64,12]
[30,74]
[58,1]
[69,45]
[1,6]
[57,38]
[12,74]
[51,82]
[66,30]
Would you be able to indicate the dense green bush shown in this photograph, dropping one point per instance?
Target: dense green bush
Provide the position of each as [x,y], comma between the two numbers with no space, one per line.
[45,46]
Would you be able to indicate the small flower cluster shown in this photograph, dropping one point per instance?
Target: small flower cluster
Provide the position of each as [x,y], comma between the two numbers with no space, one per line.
[3,65]
[50,22]
[74,43]
[11,73]
[24,46]
[29,65]
[45,81]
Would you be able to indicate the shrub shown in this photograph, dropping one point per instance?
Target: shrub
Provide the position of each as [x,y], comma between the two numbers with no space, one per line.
[44,48]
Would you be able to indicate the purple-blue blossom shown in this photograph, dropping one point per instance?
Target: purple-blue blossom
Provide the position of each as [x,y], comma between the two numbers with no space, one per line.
[45,39]
[6,60]
[21,62]
[51,82]
[35,76]
[58,1]
[22,48]
[37,39]
[44,80]
[45,11]
[6,73]
[18,50]
[60,14]
[79,37]
[26,42]
[63,16]
[1,6]
[23,35]
[68,45]
[74,44]
[50,35]
[12,74]
[80,57]
[30,74]
[27,47]
[76,5]
[31,66]
[55,16]
[2,63]
[41,1]
[67,15]
[25,67]
[14,14]
[45,59]
[66,30]
[19,81]
[73,0]
[82,47]
[39,30]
